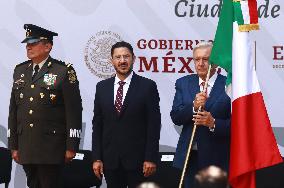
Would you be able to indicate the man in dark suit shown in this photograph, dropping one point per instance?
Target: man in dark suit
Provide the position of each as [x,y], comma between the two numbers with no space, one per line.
[212,138]
[126,123]
[45,114]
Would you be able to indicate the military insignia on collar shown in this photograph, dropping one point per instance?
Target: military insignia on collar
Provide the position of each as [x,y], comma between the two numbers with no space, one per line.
[72,76]
[49,63]
[49,79]
[19,82]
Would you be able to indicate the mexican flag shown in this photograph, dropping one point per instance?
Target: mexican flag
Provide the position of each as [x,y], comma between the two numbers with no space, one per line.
[253,145]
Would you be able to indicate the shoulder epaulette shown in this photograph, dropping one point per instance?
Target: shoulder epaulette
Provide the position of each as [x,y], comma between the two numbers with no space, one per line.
[68,65]
[71,74]
[26,62]
[59,62]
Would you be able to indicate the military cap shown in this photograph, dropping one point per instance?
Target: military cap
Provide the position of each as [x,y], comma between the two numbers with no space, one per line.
[35,34]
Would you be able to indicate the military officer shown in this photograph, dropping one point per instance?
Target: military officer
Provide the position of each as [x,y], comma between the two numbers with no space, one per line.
[45,113]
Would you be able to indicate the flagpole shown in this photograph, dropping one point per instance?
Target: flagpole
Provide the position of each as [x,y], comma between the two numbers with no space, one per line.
[193,132]
[255,55]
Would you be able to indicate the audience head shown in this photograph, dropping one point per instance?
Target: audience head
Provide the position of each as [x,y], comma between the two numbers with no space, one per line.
[211,177]
[148,185]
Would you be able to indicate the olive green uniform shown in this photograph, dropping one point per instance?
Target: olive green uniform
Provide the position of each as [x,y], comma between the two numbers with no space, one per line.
[45,114]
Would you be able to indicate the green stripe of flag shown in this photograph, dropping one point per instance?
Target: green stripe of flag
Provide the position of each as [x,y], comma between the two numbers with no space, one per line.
[221,54]
[238,13]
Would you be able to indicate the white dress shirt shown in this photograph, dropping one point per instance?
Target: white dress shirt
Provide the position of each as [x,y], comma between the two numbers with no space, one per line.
[40,65]
[125,86]
[211,82]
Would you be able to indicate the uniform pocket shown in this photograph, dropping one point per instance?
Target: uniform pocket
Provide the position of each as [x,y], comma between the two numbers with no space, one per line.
[49,95]
[19,130]
[54,129]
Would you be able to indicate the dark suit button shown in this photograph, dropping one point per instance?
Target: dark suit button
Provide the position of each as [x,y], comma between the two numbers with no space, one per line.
[41,95]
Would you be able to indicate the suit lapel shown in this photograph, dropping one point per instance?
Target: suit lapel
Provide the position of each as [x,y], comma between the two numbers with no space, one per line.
[130,93]
[109,91]
[215,92]
[44,69]
[29,72]
[193,86]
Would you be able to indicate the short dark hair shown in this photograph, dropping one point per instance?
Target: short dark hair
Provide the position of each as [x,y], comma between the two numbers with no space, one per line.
[122,44]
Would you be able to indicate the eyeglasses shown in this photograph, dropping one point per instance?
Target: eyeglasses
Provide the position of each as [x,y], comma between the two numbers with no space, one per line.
[204,59]
[121,57]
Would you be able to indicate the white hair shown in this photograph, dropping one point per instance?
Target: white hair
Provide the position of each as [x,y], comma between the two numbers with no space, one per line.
[203,44]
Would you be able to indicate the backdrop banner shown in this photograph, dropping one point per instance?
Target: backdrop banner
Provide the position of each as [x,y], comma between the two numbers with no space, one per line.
[163,34]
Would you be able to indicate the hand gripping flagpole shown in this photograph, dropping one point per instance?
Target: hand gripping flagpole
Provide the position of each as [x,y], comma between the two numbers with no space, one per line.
[193,133]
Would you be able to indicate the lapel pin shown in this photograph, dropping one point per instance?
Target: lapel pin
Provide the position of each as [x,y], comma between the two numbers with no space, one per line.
[41,95]
[21,95]
[49,63]
[52,96]
[22,75]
